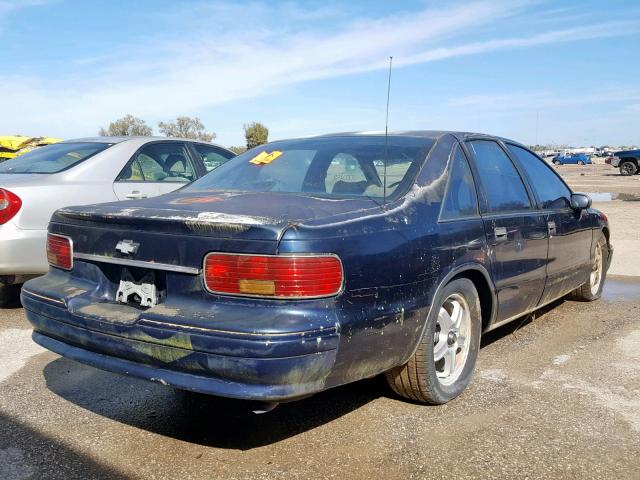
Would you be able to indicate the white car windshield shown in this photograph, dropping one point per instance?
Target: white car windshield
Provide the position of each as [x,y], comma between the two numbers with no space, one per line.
[53,158]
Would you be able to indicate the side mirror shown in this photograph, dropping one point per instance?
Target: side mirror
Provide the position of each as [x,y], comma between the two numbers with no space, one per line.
[580,201]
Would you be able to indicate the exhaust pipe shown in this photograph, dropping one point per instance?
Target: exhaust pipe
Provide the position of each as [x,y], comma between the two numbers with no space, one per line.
[264,407]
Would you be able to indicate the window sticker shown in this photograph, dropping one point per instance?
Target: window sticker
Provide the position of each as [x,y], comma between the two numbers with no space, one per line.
[264,158]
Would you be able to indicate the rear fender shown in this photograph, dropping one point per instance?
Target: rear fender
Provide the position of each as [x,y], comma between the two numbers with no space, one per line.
[457,271]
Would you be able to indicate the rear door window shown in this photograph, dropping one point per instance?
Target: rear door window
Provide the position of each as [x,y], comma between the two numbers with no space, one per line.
[550,190]
[212,157]
[503,188]
[160,162]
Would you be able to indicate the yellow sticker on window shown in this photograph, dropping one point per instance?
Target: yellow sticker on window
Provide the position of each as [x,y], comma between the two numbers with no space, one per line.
[264,158]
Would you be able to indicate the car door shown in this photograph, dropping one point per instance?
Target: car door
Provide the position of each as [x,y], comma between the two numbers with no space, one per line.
[569,257]
[516,232]
[156,168]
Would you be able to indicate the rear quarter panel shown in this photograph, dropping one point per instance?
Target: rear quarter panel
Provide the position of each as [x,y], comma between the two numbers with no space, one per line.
[394,261]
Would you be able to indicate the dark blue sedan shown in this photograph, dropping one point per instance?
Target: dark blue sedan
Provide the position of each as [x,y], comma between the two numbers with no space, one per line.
[305,264]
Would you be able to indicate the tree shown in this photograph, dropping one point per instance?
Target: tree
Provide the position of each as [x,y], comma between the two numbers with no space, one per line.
[238,150]
[127,126]
[186,127]
[256,134]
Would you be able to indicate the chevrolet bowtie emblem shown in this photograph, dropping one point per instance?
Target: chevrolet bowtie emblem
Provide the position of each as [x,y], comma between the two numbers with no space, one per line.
[127,247]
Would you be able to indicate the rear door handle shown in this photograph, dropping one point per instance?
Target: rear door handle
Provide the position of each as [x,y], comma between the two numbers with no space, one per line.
[136,195]
[500,233]
[551,226]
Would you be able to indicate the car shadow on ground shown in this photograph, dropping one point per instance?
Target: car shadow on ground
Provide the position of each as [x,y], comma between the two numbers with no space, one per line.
[512,327]
[213,421]
[28,453]
[201,419]
[10,297]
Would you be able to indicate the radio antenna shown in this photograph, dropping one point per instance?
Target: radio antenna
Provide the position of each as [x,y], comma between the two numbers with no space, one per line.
[386,136]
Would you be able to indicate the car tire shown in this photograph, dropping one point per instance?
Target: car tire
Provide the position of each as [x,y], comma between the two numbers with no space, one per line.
[557,162]
[455,340]
[592,290]
[580,162]
[628,168]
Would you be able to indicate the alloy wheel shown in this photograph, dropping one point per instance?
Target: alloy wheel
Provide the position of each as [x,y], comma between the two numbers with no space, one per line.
[627,168]
[596,270]
[450,346]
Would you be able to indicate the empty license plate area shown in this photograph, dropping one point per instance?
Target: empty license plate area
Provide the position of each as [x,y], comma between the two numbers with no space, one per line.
[141,288]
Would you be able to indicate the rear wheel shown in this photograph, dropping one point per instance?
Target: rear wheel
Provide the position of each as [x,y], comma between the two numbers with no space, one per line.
[628,168]
[580,162]
[557,162]
[442,366]
[592,290]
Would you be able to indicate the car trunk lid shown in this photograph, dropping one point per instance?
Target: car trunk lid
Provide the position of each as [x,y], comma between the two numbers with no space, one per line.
[245,216]
[180,229]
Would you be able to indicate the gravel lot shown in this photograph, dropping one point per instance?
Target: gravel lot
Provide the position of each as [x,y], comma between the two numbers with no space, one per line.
[556,396]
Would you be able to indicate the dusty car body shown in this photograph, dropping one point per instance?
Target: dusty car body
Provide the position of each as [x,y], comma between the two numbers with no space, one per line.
[411,266]
[81,172]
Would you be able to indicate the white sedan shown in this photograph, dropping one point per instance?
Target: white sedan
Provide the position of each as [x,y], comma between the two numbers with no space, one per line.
[82,172]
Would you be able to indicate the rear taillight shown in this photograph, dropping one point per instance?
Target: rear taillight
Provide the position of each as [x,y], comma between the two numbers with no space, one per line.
[60,251]
[276,276]
[10,204]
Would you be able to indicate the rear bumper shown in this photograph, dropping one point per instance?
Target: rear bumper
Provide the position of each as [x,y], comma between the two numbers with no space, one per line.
[168,356]
[23,252]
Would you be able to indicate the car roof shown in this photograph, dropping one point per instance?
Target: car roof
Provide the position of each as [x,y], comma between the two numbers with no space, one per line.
[427,134]
[128,138]
[140,140]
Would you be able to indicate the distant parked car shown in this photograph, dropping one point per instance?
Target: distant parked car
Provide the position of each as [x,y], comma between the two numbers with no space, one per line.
[305,264]
[79,172]
[628,161]
[572,158]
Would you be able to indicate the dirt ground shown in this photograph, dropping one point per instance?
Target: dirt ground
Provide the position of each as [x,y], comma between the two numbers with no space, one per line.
[557,397]
[623,209]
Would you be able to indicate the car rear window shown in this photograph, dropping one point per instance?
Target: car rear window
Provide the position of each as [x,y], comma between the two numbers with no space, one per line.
[52,158]
[328,166]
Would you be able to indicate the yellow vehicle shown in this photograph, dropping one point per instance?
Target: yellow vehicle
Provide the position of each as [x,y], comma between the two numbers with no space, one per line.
[14,145]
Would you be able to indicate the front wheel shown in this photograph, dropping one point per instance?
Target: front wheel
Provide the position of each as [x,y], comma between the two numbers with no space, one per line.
[592,290]
[628,168]
[557,162]
[442,366]
[580,162]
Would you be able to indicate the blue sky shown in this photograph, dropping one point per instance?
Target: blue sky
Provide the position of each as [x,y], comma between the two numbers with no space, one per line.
[310,67]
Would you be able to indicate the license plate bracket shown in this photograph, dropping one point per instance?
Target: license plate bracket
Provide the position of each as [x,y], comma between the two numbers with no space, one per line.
[143,292]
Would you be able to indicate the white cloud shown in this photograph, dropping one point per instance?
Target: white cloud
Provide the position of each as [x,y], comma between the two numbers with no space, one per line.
[10,6]
[275,47]
[537,100]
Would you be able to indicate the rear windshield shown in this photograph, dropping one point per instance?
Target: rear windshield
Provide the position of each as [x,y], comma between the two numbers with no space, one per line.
[52,158]
[330,166]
